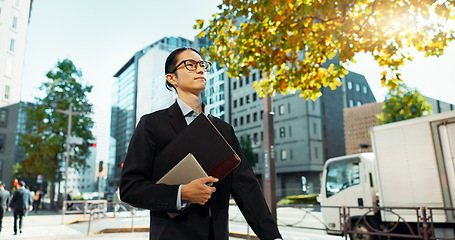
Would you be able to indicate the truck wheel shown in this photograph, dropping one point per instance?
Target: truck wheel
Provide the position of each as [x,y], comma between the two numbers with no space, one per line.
[361,227]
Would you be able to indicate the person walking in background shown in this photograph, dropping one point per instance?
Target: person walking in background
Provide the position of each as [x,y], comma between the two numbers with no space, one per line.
[36,200]
[4,200]
[20,203]
[69,197]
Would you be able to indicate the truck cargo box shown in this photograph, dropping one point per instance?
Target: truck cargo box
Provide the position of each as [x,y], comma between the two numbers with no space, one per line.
[415,165]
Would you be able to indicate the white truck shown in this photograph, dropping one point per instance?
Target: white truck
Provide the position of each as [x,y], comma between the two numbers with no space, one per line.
[409,176]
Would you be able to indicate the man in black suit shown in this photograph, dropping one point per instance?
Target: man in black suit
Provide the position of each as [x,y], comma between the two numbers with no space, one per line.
[20,203]
[186,72]
[4,200]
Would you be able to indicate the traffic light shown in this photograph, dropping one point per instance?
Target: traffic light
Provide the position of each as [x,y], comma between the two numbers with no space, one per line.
[100,167]
[93,145]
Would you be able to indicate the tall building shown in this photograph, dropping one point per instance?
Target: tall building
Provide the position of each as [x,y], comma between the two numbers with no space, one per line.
[12,122]
[14,17]
[306,132]
[139,88]
[359,120]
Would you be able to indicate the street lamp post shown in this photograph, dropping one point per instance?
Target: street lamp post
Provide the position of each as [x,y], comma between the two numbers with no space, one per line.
[70,114]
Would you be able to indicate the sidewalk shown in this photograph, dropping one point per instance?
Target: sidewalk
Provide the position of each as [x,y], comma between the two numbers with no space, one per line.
[49,225]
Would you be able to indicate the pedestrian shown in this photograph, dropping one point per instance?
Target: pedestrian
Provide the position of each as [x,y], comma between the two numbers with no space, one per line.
[4,200]
[21,202]
[36,200]
[186,72]
[69,197]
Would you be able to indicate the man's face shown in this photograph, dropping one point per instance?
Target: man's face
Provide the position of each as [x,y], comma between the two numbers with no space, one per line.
[188,81]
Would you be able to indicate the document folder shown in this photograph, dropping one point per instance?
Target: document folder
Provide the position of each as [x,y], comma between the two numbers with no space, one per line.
[203,140]
[184,172]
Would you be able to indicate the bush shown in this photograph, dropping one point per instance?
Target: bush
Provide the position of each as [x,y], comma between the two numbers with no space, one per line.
[300,199]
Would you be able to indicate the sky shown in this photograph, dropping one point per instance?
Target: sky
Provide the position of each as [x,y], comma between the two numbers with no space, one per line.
[101,36]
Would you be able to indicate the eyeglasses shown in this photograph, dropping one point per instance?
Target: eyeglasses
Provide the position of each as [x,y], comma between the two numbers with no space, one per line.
[191,65]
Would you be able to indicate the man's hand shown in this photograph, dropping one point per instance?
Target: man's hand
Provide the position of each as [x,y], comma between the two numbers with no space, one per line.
[197,191]
[9,209]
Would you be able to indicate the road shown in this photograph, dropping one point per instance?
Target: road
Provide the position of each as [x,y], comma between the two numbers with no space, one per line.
[47,225]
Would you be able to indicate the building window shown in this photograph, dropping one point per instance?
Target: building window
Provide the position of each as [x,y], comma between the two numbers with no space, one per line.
[255,117]
[3,117]
[359,103]
[357,87]
[289,107]
[241,102]
[248,118]
[351,103]
[281,109]
[2,142]
[365,90]
[261,115]
[240,83]
[9,68]
[234,85]
[7,90]
[247,80]
[11,45]
[255,138]
[282,132]
[255,96]
[241,121]
[235,103]
[315,131]
[247,99]
[235,122]
[254,77]
[349,85]
[290,132]
[17,3]
[284,154]
[14,23]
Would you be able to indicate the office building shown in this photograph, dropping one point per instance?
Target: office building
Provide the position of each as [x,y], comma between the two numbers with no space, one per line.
[306,132]
[139,88]
[14,17]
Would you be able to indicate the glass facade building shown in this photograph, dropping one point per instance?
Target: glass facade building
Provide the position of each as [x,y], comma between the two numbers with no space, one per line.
[138,89]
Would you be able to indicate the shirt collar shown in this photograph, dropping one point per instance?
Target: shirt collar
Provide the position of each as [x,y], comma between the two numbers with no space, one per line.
[187,109]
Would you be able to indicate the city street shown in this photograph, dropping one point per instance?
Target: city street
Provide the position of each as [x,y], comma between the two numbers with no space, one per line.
[48,225]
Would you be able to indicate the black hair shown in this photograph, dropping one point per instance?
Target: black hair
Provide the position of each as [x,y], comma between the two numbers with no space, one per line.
[22,183]
[171,62]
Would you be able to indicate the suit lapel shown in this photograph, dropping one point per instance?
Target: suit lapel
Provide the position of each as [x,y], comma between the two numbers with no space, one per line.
[177,119]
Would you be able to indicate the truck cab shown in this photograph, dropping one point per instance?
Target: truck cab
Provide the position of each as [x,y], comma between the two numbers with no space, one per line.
[347,180]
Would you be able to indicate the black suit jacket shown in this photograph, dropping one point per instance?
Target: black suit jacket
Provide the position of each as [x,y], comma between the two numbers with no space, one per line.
[153,132]
[21,199]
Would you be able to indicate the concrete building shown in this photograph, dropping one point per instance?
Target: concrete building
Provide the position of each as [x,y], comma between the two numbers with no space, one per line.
[358,121]
[12,122]
[14,17]
[306,132]
[139,88]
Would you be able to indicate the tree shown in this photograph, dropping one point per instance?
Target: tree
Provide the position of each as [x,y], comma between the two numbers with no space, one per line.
[403,103]
[44,141]
[247,146]
[290,40]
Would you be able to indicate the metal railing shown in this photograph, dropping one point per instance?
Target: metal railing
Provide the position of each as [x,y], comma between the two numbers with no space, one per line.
[362,225]
[305,217]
